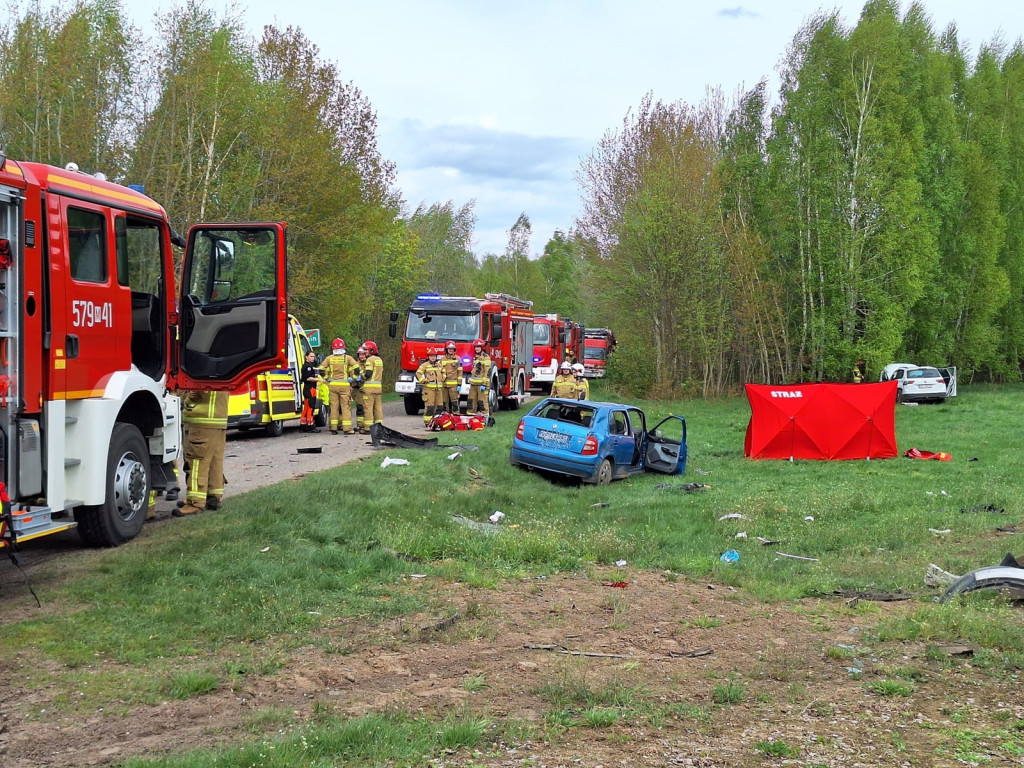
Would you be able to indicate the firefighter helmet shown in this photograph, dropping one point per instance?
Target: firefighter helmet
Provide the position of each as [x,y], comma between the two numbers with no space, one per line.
[338,344]
[566,365]
[432,351]
[578,367]
[478,343]
[450,345]
[371,347]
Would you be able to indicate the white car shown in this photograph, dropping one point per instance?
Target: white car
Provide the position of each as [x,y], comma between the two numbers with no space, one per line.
[921,383]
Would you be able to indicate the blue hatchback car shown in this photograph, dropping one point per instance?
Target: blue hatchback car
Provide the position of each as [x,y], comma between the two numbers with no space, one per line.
[597,442]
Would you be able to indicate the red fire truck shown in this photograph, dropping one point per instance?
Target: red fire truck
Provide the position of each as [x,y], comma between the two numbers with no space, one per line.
[554,339]
[503,322]
[93,341]
[598,343]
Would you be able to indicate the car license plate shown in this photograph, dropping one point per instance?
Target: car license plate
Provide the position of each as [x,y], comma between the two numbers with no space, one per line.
[554,438]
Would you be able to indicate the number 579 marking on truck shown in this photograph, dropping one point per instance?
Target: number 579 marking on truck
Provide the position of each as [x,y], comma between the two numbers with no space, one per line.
[86,314]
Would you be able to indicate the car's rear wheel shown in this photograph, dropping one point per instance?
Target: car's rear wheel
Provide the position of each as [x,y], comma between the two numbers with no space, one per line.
[275,428]
[604,473]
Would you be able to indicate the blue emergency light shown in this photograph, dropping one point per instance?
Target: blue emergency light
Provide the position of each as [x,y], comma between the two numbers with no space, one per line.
[429,297]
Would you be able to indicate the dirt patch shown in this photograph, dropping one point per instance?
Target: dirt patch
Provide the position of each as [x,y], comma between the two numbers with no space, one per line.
[657,649]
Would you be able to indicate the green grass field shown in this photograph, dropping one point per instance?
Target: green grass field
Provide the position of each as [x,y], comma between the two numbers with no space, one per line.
[285,560]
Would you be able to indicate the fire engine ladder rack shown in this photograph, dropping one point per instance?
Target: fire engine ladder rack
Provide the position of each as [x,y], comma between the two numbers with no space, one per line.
[27,521]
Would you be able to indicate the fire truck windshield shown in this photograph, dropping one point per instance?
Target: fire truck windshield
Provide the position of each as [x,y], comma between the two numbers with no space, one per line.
[541,335]
[435,326]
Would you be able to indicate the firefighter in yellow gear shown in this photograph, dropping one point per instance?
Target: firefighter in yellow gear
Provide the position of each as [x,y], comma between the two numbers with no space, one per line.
[564,384]
[479,379]
[205,414]
[452,364]
[373,383]
[338,370]
[358,397]
[582,385]
[430,375]
[858,372]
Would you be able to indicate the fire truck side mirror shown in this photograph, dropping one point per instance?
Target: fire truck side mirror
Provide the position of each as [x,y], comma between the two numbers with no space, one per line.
[393,327]
[393,316]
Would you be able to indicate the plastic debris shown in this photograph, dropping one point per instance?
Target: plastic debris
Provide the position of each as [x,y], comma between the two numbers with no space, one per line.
[616,584]
[600,505]
[388,461]
[938,532]
[620,563]
[733,516]
[797,557]
[740,535]
[265,549]
[700,471]
[937,577]
[809,519]
[453,456]
[767,542]
[498,515]
[475,526]
[730,556]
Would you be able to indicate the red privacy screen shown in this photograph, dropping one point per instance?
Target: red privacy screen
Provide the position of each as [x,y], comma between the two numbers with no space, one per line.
[822,421]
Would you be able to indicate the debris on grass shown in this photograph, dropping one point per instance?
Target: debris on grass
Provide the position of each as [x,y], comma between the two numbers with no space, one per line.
[797,557]
[473,525]
[733,516]
[686,487]
[937,577]
[388,461]
[991,509]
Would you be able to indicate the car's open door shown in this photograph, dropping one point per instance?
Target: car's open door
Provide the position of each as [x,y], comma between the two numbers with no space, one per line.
[232,305]
[665,447]
[949,376]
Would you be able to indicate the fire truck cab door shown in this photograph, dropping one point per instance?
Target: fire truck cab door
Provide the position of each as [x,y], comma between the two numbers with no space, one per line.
[232,306]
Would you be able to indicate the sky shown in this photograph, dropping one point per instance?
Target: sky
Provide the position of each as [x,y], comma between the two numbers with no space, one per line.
[498,103]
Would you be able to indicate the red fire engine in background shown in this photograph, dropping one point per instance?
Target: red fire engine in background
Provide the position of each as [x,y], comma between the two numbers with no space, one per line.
[93,341]
[503,322]
[598,343]
[554,339]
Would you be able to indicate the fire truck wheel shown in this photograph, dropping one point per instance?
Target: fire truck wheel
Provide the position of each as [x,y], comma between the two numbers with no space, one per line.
[120,518]
[492,394]
[275,428]
[413,404]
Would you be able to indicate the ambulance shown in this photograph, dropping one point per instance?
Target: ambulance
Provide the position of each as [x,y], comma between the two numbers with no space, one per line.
[274,397]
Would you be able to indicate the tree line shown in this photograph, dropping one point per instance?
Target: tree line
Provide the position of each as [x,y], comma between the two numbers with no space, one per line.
[870,210]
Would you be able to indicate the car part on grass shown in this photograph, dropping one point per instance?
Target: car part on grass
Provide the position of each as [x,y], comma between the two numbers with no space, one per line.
[937,577]
[990,508]
[1008,575]
[385,437]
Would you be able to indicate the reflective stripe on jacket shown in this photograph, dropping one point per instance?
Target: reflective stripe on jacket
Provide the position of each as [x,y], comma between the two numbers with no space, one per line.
[205,409]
